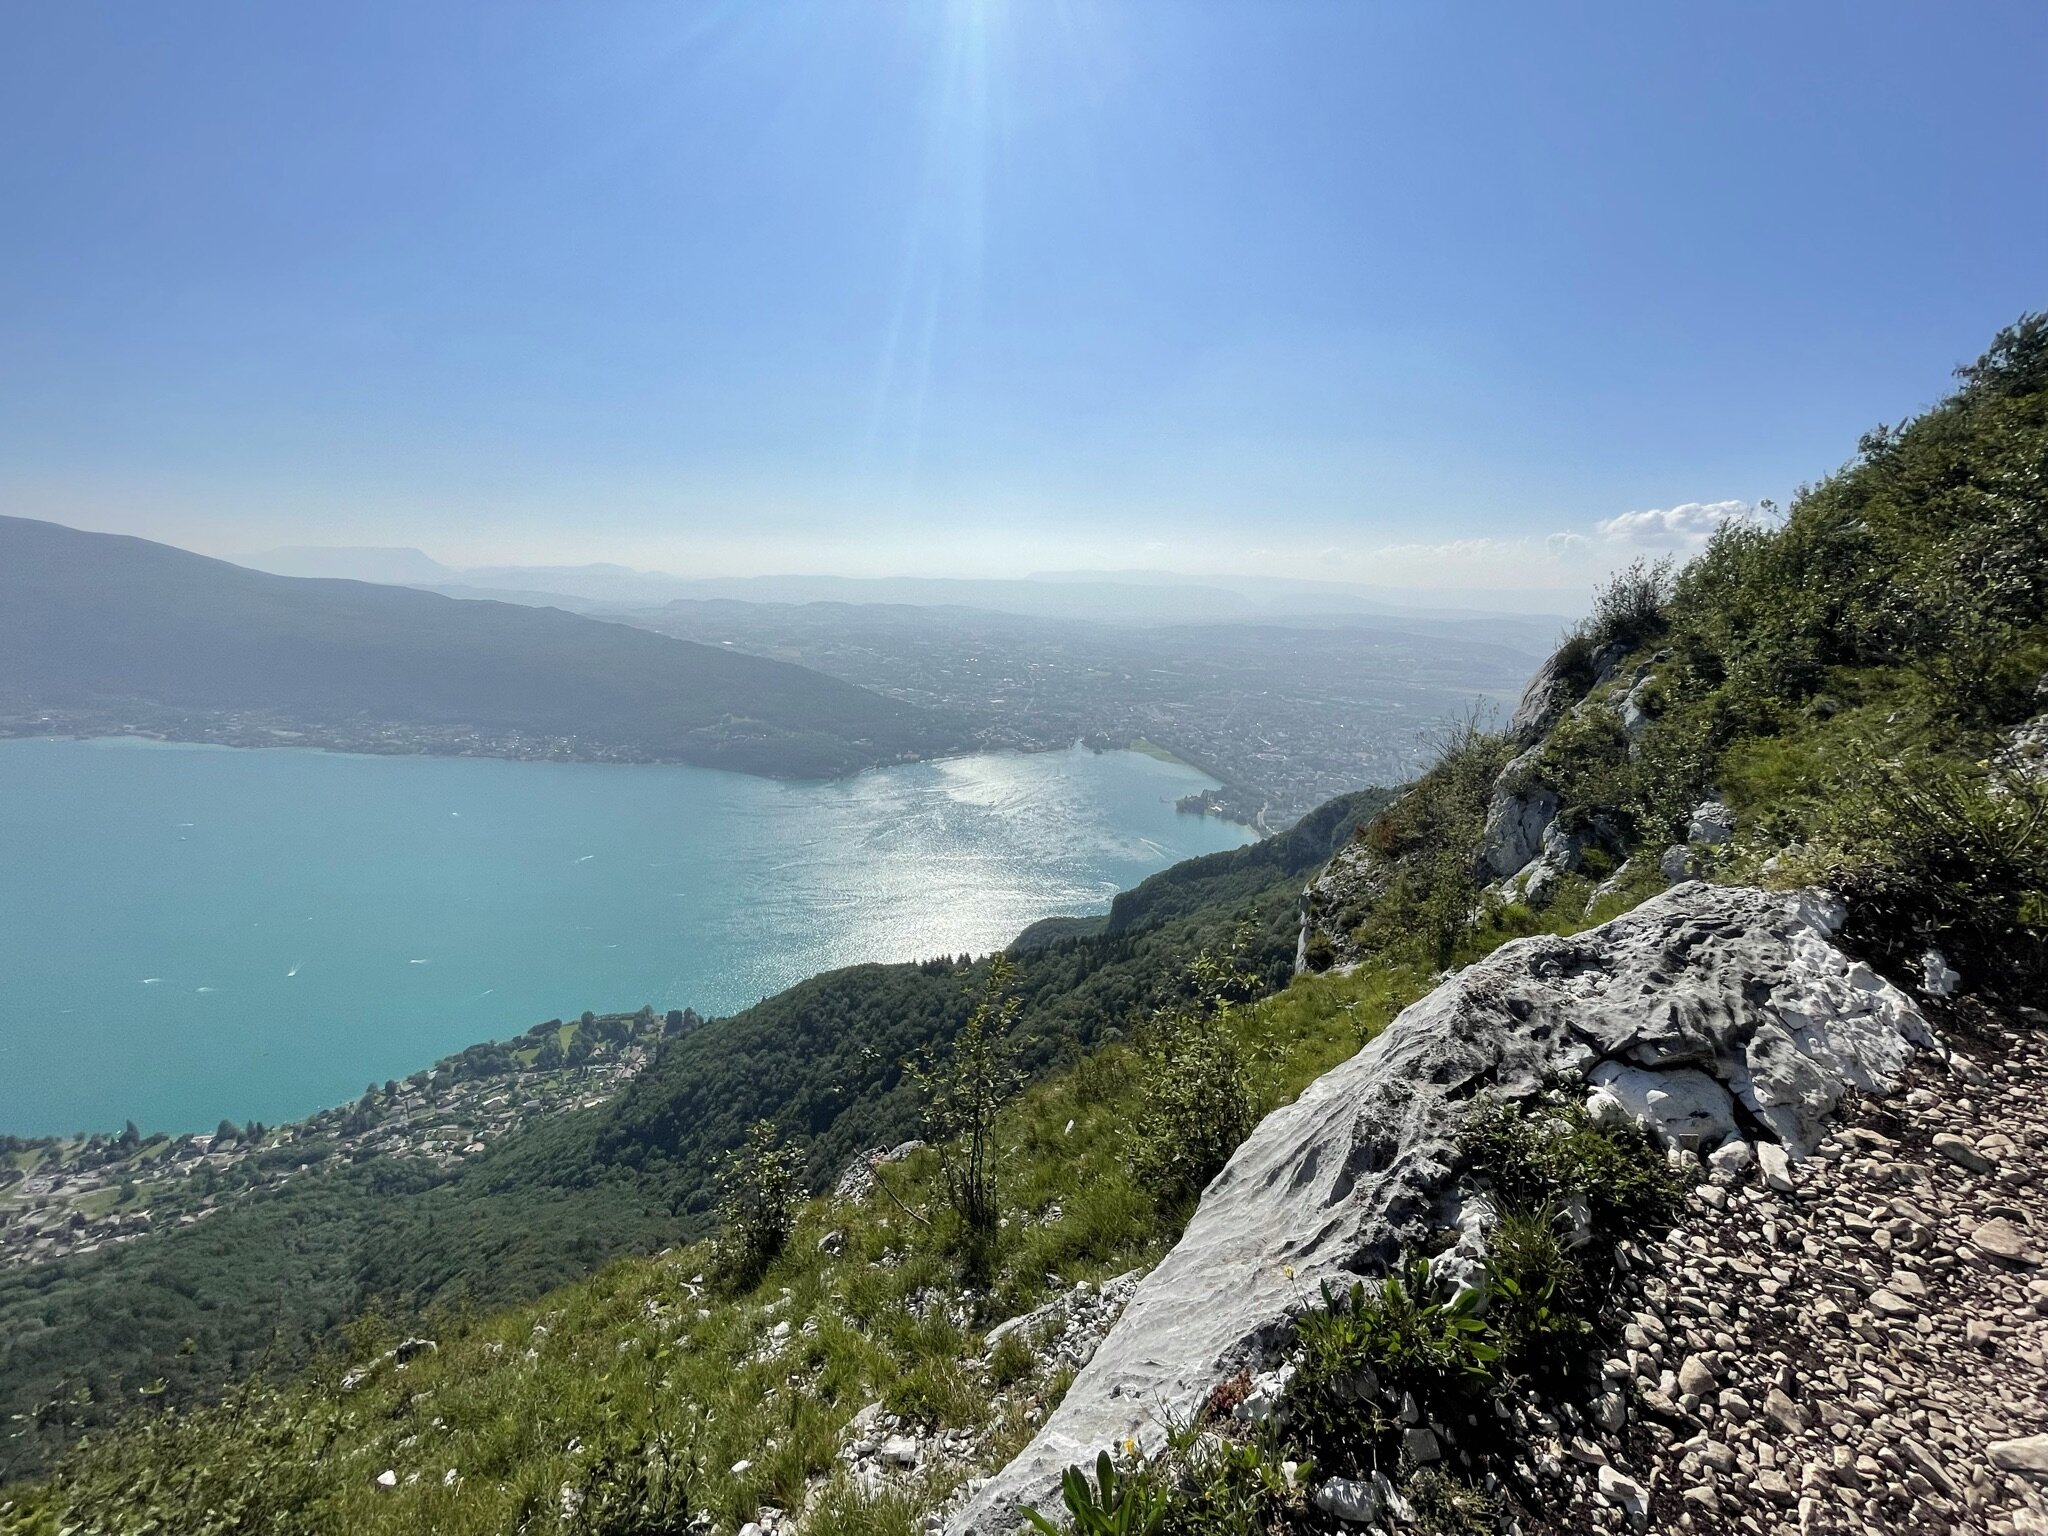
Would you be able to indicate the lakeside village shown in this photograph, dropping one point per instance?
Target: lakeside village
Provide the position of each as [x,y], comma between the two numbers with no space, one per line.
[68,1195]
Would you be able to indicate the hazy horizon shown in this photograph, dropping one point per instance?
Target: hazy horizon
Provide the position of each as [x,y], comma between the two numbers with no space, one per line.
[969,289]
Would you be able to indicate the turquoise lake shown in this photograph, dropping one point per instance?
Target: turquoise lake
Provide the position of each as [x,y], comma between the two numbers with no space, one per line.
[188,933]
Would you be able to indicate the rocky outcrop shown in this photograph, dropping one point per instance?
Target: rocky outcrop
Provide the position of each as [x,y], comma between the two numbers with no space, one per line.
[1334,903]
[1518,814]
[1558,684]
[1740,990]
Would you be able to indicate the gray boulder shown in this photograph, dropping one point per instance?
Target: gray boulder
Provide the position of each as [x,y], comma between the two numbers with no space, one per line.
[1543,703]
[1937,977]
[1713,823]
[1560,855]
[1517,816]
[1551,692]
[1365,1162]
[1635,713]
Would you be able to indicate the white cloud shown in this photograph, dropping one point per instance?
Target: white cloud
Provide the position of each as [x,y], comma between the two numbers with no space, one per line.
[1687,526]
[1455,549]
[1566,546]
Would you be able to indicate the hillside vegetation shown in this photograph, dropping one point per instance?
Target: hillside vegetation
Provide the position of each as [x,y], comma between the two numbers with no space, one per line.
[1839,697]
[100,630]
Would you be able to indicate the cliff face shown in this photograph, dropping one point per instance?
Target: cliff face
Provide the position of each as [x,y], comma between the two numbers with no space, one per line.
[1725,1021]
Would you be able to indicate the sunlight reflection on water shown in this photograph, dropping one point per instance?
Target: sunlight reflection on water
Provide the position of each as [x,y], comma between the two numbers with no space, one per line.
[307,922]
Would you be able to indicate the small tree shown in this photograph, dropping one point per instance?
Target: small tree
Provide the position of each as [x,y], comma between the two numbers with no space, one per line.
[1195,1103]
[963,1088]
[757,1198]
[1196,1097]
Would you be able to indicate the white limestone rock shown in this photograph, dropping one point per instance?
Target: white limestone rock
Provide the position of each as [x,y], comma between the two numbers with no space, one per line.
[1683,1109]
[1937,977]
[1334,1185]
[1732,1159]
[1517,816]
[1635,712]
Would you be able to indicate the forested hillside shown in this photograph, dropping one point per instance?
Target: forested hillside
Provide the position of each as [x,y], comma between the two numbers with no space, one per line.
[100,630]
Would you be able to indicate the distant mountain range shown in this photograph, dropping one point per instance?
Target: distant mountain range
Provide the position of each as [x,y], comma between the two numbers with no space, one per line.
[97,627]
[1135,597]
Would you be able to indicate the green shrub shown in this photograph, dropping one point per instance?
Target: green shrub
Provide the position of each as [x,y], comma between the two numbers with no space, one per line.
[1630,608]
[1195,1104]
[1535,1299]
[964,1085]
[1950,853]
[1361,1350]
[757,1200]
[1444,1506]
[1011,1361]
[1549,1155]
[1226,1487]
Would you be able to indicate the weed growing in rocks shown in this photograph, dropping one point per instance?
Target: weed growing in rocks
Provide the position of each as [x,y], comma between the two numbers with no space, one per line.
[1119,1504]
[1368,1361]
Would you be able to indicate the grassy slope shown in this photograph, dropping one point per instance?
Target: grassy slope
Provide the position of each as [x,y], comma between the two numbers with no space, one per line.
[534,1397]
[91,619]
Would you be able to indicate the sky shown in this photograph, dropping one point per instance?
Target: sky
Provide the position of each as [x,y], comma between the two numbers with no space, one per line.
[1412,294]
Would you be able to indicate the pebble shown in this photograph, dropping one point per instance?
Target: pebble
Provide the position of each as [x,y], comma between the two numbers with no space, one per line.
[2029,1455]
[2002,1240]
[1961,1153]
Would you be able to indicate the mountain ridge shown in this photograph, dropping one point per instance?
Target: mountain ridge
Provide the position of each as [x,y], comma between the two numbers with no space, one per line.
[95,625]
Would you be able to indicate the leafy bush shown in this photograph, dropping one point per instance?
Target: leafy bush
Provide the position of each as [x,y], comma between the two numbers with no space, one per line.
[1226,1487]
[1361,1350]
[964,1085]
[757,1199]
[1957,854]
[1629,609]
[1195,1104]
[1444,1506]
[1550,1156]
[1534,1310]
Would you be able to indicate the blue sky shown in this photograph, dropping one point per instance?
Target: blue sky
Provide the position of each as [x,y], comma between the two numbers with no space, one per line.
[1442,295]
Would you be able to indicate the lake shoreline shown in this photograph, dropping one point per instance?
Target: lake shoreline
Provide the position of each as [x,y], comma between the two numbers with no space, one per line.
[289,923]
